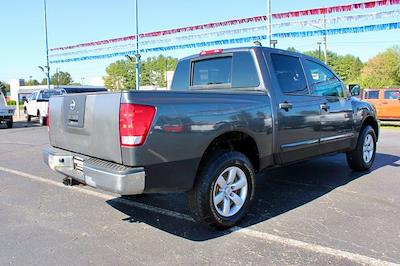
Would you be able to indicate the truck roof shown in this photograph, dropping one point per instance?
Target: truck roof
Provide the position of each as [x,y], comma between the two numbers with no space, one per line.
[249,48]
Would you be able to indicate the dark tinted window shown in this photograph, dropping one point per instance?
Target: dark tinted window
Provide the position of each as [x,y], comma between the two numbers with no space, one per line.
[212,71]
[392,95]
[181,76]
[371,95]
[289,73]
[244,72]
[45,95]
[34,95]
[325,83]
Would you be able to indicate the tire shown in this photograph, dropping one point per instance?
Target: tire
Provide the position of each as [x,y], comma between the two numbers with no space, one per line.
[207,191]
[42,120]
[10,122]
[28,117]
[363,156]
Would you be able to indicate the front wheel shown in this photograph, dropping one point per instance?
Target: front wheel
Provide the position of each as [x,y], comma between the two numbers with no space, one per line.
[224,190]
[363,156]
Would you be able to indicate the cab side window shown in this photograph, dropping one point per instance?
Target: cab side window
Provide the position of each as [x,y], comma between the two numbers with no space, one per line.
[289,73]
[392,95]
[371,95]
[324,82]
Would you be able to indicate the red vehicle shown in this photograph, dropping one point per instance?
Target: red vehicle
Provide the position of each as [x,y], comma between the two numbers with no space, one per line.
[386,101]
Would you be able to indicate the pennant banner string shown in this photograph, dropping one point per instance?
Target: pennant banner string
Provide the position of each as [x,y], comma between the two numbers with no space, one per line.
[230,32]
[335,9]
[301,34]
[309,12]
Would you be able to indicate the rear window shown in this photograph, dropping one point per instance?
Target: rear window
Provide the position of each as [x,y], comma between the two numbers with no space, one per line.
[236,71]
[215,71]
[392,94]
[45,95]
[371,95]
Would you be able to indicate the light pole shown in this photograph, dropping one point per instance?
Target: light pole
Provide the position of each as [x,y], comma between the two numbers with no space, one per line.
[58,77]
[166,72]
[269,19]
[46,71]
[324,40]
[319,50]
[137,47]
[131,59]
[47,46]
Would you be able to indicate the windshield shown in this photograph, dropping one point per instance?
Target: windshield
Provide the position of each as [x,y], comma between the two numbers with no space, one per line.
[45,95]
[2,100]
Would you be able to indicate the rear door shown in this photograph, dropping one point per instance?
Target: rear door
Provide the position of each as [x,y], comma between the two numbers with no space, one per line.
[390,106]
[298,113]
[337,123]
[87,124]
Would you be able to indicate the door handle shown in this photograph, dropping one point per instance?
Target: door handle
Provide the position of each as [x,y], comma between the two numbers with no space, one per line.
[325,107]
[285,106]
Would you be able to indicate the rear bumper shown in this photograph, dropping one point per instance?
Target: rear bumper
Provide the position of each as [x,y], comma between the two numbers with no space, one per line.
[97,173]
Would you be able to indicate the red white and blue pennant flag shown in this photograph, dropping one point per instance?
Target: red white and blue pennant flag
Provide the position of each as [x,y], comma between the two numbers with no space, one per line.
[296,34]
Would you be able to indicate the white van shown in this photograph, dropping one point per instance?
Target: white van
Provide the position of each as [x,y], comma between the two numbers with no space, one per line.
[6,112]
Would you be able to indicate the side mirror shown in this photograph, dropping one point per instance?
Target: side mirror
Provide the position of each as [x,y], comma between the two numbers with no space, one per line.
[354,89]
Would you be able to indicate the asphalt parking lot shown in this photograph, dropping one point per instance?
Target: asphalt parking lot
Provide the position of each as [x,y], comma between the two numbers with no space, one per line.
[314,213]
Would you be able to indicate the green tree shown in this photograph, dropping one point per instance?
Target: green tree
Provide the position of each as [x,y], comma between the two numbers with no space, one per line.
[121,74]
[31,82]
[292,49]
[348,67]
[383,70]
[44,81]
[4,87]
[61,78]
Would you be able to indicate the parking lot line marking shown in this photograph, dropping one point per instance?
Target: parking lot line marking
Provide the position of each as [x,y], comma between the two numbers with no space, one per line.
[358,258]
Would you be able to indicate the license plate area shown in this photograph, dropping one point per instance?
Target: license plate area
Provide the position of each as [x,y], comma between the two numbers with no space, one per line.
[78,163]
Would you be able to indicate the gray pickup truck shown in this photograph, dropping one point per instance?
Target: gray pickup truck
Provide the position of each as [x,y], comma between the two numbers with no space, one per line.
[230,114]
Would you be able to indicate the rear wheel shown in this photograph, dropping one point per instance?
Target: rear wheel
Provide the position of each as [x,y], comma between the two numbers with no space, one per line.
[363,156]
[42,120]
[10,122]
[224,190]
[28,117]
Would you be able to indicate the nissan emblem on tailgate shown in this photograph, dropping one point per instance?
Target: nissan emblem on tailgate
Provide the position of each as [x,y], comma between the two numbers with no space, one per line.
[72,105]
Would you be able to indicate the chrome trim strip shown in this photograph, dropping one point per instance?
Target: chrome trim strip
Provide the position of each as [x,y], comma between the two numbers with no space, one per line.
[296,145]
[337,137]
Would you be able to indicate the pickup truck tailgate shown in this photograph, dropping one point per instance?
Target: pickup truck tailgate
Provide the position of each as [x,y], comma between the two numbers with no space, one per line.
[87,124]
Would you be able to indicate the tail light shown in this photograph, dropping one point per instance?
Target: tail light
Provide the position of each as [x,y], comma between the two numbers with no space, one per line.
[48,117]
[134,123]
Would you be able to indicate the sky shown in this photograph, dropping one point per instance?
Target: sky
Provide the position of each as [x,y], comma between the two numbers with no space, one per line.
[22,37]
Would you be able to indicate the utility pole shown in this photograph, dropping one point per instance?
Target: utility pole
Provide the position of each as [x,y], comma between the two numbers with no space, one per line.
[325,42]
[47,45]
[269,19]
[58,77]
[166,72]
[319,50]
[137,47]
